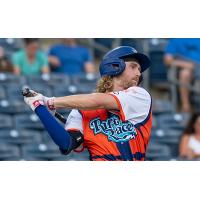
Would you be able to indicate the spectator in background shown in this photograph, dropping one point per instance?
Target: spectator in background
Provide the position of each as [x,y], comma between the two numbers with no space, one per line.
[70,58]
[5,64]
[30,60]
[190,141]
[184,53]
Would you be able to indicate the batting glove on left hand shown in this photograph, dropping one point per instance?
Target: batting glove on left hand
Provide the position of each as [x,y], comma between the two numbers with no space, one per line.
[35,101]
[40,99]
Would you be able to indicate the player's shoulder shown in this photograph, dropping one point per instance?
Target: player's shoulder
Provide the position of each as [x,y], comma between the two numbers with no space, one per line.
[137,90]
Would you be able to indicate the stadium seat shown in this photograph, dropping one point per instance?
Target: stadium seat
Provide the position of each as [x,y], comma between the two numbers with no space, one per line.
[169,137]
[7,79]
[14,107]
[19,137]
[27,121]
[14,91]
[10,45]
[41,151]
[173,120]
[29,158]
[85,78]
[83,156]
[9,152]
[161,106]
[5,122]
[64,91]
[73,89]
[73,156]
[85,83]
[55,80]
[157,71]
[154,122]
[106,43]
[132,42]
[2,93]
[155,150]
[41,88]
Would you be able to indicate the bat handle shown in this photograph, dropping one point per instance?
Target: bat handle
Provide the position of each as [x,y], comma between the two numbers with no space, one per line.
[27,93]
[60,117]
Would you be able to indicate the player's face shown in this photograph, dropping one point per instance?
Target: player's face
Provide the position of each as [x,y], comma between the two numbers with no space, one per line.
[131,74]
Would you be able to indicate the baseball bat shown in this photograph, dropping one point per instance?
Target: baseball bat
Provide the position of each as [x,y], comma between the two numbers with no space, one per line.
[27,93]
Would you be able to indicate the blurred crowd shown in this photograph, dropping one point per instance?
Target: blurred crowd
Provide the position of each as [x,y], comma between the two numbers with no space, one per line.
[69,57]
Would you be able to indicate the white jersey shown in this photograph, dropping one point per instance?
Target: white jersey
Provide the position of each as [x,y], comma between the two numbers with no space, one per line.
[134,105]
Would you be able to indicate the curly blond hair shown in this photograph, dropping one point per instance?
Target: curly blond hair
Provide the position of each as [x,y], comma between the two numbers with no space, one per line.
[105,84]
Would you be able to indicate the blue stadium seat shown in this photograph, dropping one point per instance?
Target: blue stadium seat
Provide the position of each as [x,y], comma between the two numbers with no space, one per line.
[2,93]
[41,151]
[41,88]
[6,121]
[64,91]
[83,156]
[15,91]
[10,45]
[155,150]
[73,156]
[85,78]
[73,89]
[19,137]
[26,121]
[169,137]
[28,158]
[154,122]
[106,42]
[9,152]
[7,79]
[55,80]
[158,71]
[161,106]
[86,88]
[85,83]
[173,120]
[132,42]
[14,107]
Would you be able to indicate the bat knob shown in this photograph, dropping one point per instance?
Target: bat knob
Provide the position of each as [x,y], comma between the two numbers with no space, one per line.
[26,92]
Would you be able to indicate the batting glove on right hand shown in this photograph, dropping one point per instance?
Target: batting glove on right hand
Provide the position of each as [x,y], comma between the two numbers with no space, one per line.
[49,103]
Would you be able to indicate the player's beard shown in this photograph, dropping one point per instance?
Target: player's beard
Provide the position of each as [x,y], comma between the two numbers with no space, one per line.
[131,83]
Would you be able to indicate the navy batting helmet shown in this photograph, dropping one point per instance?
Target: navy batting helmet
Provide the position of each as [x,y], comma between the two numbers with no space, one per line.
[113,62]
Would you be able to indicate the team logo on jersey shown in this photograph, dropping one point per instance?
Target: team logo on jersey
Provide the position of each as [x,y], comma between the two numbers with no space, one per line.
[114,128]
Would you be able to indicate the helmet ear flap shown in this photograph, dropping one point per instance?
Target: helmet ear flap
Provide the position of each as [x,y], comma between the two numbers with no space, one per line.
[112,66]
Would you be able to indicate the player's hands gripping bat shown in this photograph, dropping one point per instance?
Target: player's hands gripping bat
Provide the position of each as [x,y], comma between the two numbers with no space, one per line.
[38,99]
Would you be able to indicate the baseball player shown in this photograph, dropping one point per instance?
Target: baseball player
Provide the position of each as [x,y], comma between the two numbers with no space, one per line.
[114,123]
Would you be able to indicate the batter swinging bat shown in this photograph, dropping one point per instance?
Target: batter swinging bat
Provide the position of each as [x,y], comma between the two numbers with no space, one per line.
[27,93]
